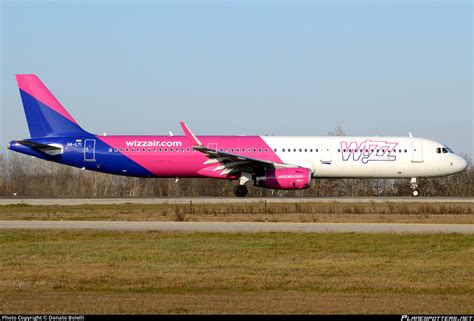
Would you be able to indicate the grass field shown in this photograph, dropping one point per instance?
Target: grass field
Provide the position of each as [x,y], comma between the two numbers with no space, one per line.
[151,272]
[273,212]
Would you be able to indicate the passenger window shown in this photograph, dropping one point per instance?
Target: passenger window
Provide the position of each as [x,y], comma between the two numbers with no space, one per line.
[300,150]
[316,150]
[444,150]
[275,150]
[254,150]
[406,151]
[166,149]
[126,149]
[259,150]
[232,150]
[305,150]
[266,150]
[282,150]
[338,150]
[294,149]
[310,150]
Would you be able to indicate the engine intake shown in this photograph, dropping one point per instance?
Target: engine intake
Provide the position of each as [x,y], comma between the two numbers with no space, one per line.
[284,178]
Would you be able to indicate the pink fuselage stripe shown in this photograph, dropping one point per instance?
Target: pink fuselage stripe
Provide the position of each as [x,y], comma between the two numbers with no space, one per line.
[33,86]
[182,163]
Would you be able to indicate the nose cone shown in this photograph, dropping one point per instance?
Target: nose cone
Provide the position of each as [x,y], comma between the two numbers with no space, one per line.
[463,164]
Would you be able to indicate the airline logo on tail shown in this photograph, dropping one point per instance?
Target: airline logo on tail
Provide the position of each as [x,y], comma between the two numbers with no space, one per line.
[368,150]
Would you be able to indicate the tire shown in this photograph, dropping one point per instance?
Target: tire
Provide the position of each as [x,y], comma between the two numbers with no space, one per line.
[240,190]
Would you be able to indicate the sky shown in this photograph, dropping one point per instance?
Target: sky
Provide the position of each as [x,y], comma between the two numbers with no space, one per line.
[245,67]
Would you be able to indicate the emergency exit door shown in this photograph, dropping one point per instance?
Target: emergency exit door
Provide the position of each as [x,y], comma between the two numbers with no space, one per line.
[325,153]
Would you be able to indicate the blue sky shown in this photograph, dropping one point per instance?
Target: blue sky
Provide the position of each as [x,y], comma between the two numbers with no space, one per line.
[245,67]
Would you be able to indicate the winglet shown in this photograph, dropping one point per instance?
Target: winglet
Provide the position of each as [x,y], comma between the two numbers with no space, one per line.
[190,134]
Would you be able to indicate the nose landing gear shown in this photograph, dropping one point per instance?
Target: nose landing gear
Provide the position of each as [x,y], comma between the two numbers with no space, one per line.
[414,187]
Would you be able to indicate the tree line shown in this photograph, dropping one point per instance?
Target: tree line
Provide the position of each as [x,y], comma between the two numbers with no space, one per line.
[24,176]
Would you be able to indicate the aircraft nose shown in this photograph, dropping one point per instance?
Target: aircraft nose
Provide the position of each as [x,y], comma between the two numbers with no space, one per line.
[462,163]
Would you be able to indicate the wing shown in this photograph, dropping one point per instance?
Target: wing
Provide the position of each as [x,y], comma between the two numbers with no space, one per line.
[229,163]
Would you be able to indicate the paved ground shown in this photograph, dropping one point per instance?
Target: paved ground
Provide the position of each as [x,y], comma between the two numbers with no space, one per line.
[242,227]
[197,200]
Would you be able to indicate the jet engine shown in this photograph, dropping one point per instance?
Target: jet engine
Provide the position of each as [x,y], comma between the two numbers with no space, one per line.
[284,178]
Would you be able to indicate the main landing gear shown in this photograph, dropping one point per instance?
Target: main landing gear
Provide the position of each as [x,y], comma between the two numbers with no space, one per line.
[414,187]
[240,190]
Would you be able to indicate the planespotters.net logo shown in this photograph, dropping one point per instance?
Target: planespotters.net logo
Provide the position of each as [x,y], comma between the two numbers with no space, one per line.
[42,317]
[437,318]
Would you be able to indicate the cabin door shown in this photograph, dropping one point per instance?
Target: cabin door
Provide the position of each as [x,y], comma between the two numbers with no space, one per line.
[417,151]
[89,150]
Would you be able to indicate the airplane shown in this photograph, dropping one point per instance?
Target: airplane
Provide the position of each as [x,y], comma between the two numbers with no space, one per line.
[280,163]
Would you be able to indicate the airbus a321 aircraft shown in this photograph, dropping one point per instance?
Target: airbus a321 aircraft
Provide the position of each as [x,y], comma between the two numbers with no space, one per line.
[287,163]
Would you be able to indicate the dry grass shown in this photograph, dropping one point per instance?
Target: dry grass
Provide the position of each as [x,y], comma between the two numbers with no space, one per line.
[151,272]
[275,212]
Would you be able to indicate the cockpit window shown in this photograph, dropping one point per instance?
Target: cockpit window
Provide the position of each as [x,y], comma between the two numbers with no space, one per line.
[444,150]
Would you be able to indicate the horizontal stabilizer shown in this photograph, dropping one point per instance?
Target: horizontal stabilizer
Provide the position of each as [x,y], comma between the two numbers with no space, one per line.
[50,149]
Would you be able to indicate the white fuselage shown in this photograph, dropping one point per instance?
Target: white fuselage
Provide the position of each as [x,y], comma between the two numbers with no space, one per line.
[384,157]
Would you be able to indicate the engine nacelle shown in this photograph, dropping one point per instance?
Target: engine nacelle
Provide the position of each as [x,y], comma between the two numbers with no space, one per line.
[285,178]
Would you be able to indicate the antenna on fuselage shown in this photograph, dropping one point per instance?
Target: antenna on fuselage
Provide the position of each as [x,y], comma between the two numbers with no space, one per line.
[171,134]
[409,134]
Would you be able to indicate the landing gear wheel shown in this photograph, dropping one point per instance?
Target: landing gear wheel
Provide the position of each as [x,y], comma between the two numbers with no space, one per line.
[240,190]
[414,187]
